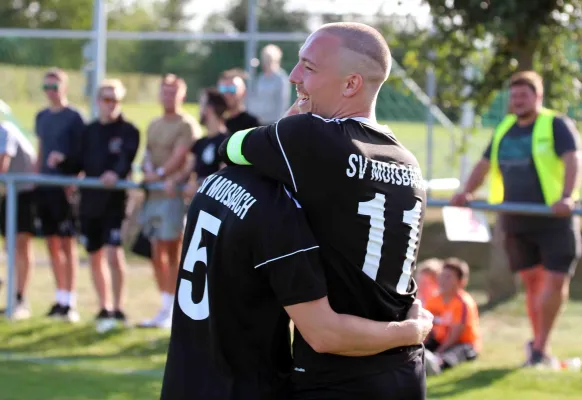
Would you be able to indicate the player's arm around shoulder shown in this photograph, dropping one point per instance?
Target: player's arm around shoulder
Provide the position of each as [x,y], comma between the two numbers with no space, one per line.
[328,332]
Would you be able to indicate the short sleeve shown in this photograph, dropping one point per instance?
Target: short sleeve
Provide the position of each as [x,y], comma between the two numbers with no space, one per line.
[187,134]
[460,312]
[287,253]
[566,136]
[8,143]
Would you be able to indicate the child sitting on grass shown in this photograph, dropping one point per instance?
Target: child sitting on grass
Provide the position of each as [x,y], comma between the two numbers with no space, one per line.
[455,337]
[427,278]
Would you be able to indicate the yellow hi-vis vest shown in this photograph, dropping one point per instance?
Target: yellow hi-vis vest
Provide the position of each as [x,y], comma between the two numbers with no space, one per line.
[549,167]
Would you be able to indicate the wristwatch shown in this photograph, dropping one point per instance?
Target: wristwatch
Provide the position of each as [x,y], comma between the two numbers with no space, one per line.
[161,171]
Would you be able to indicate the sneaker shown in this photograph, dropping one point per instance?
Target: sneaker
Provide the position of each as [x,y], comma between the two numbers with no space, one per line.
[55,311]
[103,314]
[69,314]
[120,317]
[21,312]
[162,320]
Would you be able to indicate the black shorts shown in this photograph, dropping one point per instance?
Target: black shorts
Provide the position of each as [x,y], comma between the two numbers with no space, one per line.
[403,381]
[99,232]
[55,212]
[558,250]
[25,213]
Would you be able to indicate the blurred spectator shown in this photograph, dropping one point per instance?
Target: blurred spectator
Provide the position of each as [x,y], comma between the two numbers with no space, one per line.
[233,87]
[106,150]
[271,95]
[455,337]
[427,278]
[205,150]
[57,127]
[534,157]
[18,155]
[169,141]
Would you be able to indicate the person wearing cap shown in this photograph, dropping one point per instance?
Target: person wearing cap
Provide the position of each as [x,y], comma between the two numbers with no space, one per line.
[534,157]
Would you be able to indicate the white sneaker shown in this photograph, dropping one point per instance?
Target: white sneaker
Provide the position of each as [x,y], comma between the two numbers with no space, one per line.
[21,312]
[162,320]
[69,314]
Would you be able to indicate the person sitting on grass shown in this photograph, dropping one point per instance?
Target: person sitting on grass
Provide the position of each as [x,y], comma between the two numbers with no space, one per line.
[427,278]
[455,337]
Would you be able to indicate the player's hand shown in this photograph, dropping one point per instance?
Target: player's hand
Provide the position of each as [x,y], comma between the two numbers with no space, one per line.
[563,207]
[170,188]
[54,159]
[418,324]
[461,199]
[293,110]
[151,177]
[109,178]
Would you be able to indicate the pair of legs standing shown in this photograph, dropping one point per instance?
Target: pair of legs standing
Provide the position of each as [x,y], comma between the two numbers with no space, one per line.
[163,220]
[545,261]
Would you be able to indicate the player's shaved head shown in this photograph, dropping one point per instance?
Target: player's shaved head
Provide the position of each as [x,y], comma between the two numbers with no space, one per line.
[364,49]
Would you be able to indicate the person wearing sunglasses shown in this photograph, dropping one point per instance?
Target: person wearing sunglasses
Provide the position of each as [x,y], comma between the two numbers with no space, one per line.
[57,126]
[106,150]
[232,86]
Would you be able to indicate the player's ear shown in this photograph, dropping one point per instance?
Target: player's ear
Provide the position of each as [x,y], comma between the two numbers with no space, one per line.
[353,84]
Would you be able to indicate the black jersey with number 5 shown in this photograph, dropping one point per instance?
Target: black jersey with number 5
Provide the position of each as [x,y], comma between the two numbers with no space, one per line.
[247,253]
[364,197]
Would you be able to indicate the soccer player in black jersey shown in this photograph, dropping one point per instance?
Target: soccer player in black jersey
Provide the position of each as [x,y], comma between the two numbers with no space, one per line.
[364,197]
[247,252]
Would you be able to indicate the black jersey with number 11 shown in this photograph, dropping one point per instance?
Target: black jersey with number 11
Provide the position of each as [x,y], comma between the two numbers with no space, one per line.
[364,197]
[247,253]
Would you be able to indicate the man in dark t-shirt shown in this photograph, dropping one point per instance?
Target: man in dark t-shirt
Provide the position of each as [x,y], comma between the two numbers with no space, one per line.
[232,86]
[533,158]
[212,109]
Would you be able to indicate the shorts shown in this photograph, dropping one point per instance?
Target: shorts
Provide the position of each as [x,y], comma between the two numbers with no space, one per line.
[558,250]
[163,219]
[25,213]
[402,381]
[455,355]
[55,212]
[99,232]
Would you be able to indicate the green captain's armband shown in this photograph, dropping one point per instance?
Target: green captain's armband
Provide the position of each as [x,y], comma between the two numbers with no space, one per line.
[234,147]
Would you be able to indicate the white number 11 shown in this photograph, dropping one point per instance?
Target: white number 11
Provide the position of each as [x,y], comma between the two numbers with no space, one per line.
[375,210]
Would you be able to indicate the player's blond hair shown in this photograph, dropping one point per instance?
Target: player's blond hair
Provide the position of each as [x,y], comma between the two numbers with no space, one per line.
[114,84]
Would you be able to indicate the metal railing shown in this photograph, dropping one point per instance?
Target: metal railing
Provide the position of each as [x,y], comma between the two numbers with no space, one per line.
[10,180]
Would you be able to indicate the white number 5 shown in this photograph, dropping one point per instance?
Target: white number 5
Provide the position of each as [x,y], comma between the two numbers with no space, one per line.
[375,210]
[197,311]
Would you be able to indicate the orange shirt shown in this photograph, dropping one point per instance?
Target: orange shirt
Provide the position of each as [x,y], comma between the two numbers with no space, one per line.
[462,309]
[427,288]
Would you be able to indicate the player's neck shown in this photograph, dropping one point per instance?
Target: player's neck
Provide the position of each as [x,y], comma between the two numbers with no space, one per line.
[526,120]
[237,110]
[59,105]
[367,114]
[449,296]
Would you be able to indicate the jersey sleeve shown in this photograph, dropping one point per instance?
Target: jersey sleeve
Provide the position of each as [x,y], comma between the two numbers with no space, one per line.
[286,252]
[8,143]
[283,151]
[460,312]
[566,136]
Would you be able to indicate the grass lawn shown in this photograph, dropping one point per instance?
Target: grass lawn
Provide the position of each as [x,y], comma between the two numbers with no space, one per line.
[51,360]
[412,134]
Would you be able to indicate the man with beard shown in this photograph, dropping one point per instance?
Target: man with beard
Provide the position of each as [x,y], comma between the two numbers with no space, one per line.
[534,157]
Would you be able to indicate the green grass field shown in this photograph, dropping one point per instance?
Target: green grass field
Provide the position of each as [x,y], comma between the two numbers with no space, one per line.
[412,134]
[53,360]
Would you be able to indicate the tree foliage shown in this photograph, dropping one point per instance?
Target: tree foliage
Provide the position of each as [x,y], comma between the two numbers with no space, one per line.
[498,38]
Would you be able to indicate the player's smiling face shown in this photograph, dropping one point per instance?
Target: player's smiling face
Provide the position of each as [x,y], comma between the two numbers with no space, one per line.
[317,75]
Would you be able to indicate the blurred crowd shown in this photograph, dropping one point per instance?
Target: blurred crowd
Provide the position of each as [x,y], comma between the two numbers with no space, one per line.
[178,153]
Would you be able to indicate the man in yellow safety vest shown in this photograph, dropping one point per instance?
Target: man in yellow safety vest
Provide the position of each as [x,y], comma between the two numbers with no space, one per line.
[534,157]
